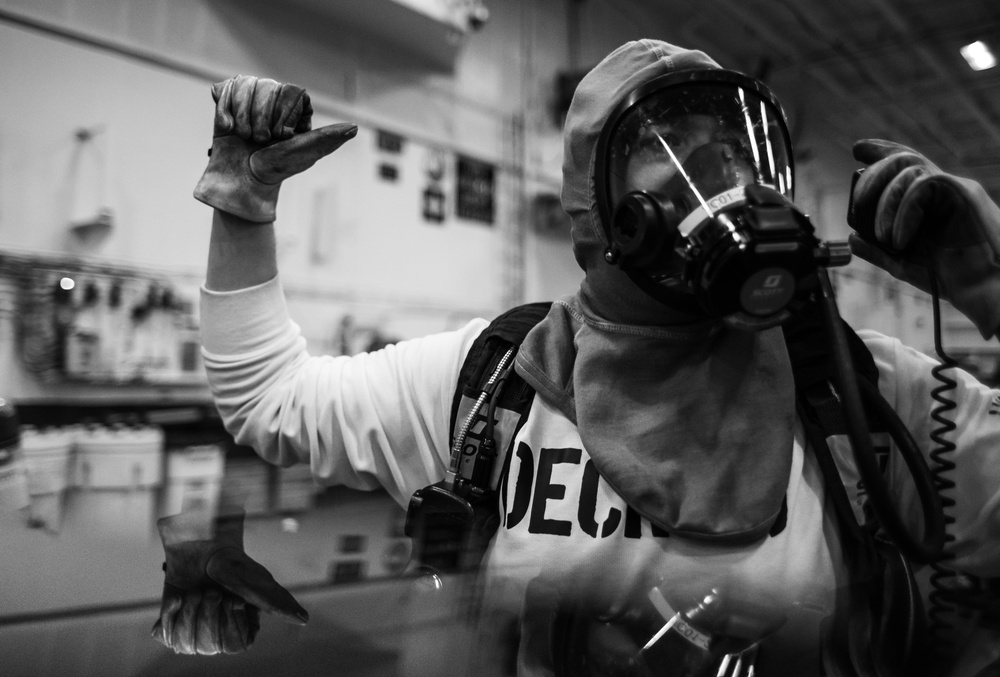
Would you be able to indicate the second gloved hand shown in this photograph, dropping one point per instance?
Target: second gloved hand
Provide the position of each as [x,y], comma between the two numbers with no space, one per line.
[914,220]
[213,591]
[262,136]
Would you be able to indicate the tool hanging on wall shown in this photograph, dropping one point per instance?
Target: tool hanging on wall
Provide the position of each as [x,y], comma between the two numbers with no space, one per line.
[90,217]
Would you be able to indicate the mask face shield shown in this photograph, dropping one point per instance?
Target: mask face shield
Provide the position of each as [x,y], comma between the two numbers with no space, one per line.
[676,154]
[695,140]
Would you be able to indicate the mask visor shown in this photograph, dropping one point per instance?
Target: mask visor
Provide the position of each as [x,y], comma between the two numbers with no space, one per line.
[690,145]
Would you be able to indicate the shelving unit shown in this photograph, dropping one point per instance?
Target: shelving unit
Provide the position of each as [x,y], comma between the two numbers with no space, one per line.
[37,335]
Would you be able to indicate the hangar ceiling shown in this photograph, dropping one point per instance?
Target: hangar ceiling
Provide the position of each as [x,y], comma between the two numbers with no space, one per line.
[860,68]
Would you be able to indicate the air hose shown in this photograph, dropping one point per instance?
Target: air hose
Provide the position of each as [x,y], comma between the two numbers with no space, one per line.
[852,397]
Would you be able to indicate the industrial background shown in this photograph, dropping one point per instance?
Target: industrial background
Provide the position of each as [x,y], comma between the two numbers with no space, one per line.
[445,207]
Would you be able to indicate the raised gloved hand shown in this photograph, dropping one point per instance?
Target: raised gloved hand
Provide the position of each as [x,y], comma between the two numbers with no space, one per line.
[213,592]
[912,220]
[262,136]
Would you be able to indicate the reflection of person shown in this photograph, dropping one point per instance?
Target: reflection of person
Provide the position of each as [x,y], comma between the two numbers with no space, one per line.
[662,466]
[679,134]
[679,137]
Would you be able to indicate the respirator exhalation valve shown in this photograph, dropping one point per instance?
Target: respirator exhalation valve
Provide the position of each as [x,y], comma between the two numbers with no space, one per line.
[747,256]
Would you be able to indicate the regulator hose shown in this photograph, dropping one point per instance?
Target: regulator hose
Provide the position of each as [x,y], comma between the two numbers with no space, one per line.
[852,395]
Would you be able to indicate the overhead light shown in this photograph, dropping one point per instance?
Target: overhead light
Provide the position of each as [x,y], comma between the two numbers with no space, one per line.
[978,56]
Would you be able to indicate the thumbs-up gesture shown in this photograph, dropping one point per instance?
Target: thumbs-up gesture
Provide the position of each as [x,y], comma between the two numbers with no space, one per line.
[213,591]
[263,135]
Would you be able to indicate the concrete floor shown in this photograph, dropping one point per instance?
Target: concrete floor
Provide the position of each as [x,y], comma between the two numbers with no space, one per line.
[83,601]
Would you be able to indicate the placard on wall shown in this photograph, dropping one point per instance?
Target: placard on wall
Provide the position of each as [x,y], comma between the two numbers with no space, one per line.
[475,190]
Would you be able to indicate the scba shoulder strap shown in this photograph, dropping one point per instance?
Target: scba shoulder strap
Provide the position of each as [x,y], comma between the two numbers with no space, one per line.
[505,333]
[453,521]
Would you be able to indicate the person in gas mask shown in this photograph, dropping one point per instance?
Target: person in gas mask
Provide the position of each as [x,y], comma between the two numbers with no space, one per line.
[662,468]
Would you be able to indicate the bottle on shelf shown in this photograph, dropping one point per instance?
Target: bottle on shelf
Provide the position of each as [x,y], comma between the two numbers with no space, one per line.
[83,337]
[14,498]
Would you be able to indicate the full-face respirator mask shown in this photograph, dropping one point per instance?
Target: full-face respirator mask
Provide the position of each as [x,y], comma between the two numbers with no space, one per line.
[694,183]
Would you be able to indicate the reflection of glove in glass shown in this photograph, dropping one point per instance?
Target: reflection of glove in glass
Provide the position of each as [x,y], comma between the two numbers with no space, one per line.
[913,218]
[262,137]
[213,592]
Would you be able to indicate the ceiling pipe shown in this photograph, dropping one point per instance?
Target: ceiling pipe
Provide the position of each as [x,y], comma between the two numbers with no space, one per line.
[690,32]
[775,39]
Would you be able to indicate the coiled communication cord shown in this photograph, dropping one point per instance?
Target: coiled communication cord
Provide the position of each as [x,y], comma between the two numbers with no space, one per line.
[943,596]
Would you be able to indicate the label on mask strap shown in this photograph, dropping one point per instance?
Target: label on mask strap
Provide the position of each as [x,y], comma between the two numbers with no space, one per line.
[730,198]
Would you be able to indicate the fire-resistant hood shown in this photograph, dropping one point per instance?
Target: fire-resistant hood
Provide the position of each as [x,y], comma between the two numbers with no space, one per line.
[607,290]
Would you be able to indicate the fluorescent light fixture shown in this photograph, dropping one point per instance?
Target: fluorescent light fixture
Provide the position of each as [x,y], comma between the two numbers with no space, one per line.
[978,56]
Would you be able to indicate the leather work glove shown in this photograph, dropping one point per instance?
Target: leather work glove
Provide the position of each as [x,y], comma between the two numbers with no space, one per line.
[213,592]
[262,136]
[912,220]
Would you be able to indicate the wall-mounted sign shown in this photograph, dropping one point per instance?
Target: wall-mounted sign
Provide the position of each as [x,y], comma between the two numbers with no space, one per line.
[388,172]
[389,142]
[476,187]
[434,195]
[434,203]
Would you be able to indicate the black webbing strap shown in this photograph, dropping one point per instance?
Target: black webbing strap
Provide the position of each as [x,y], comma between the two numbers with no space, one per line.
[508,329]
